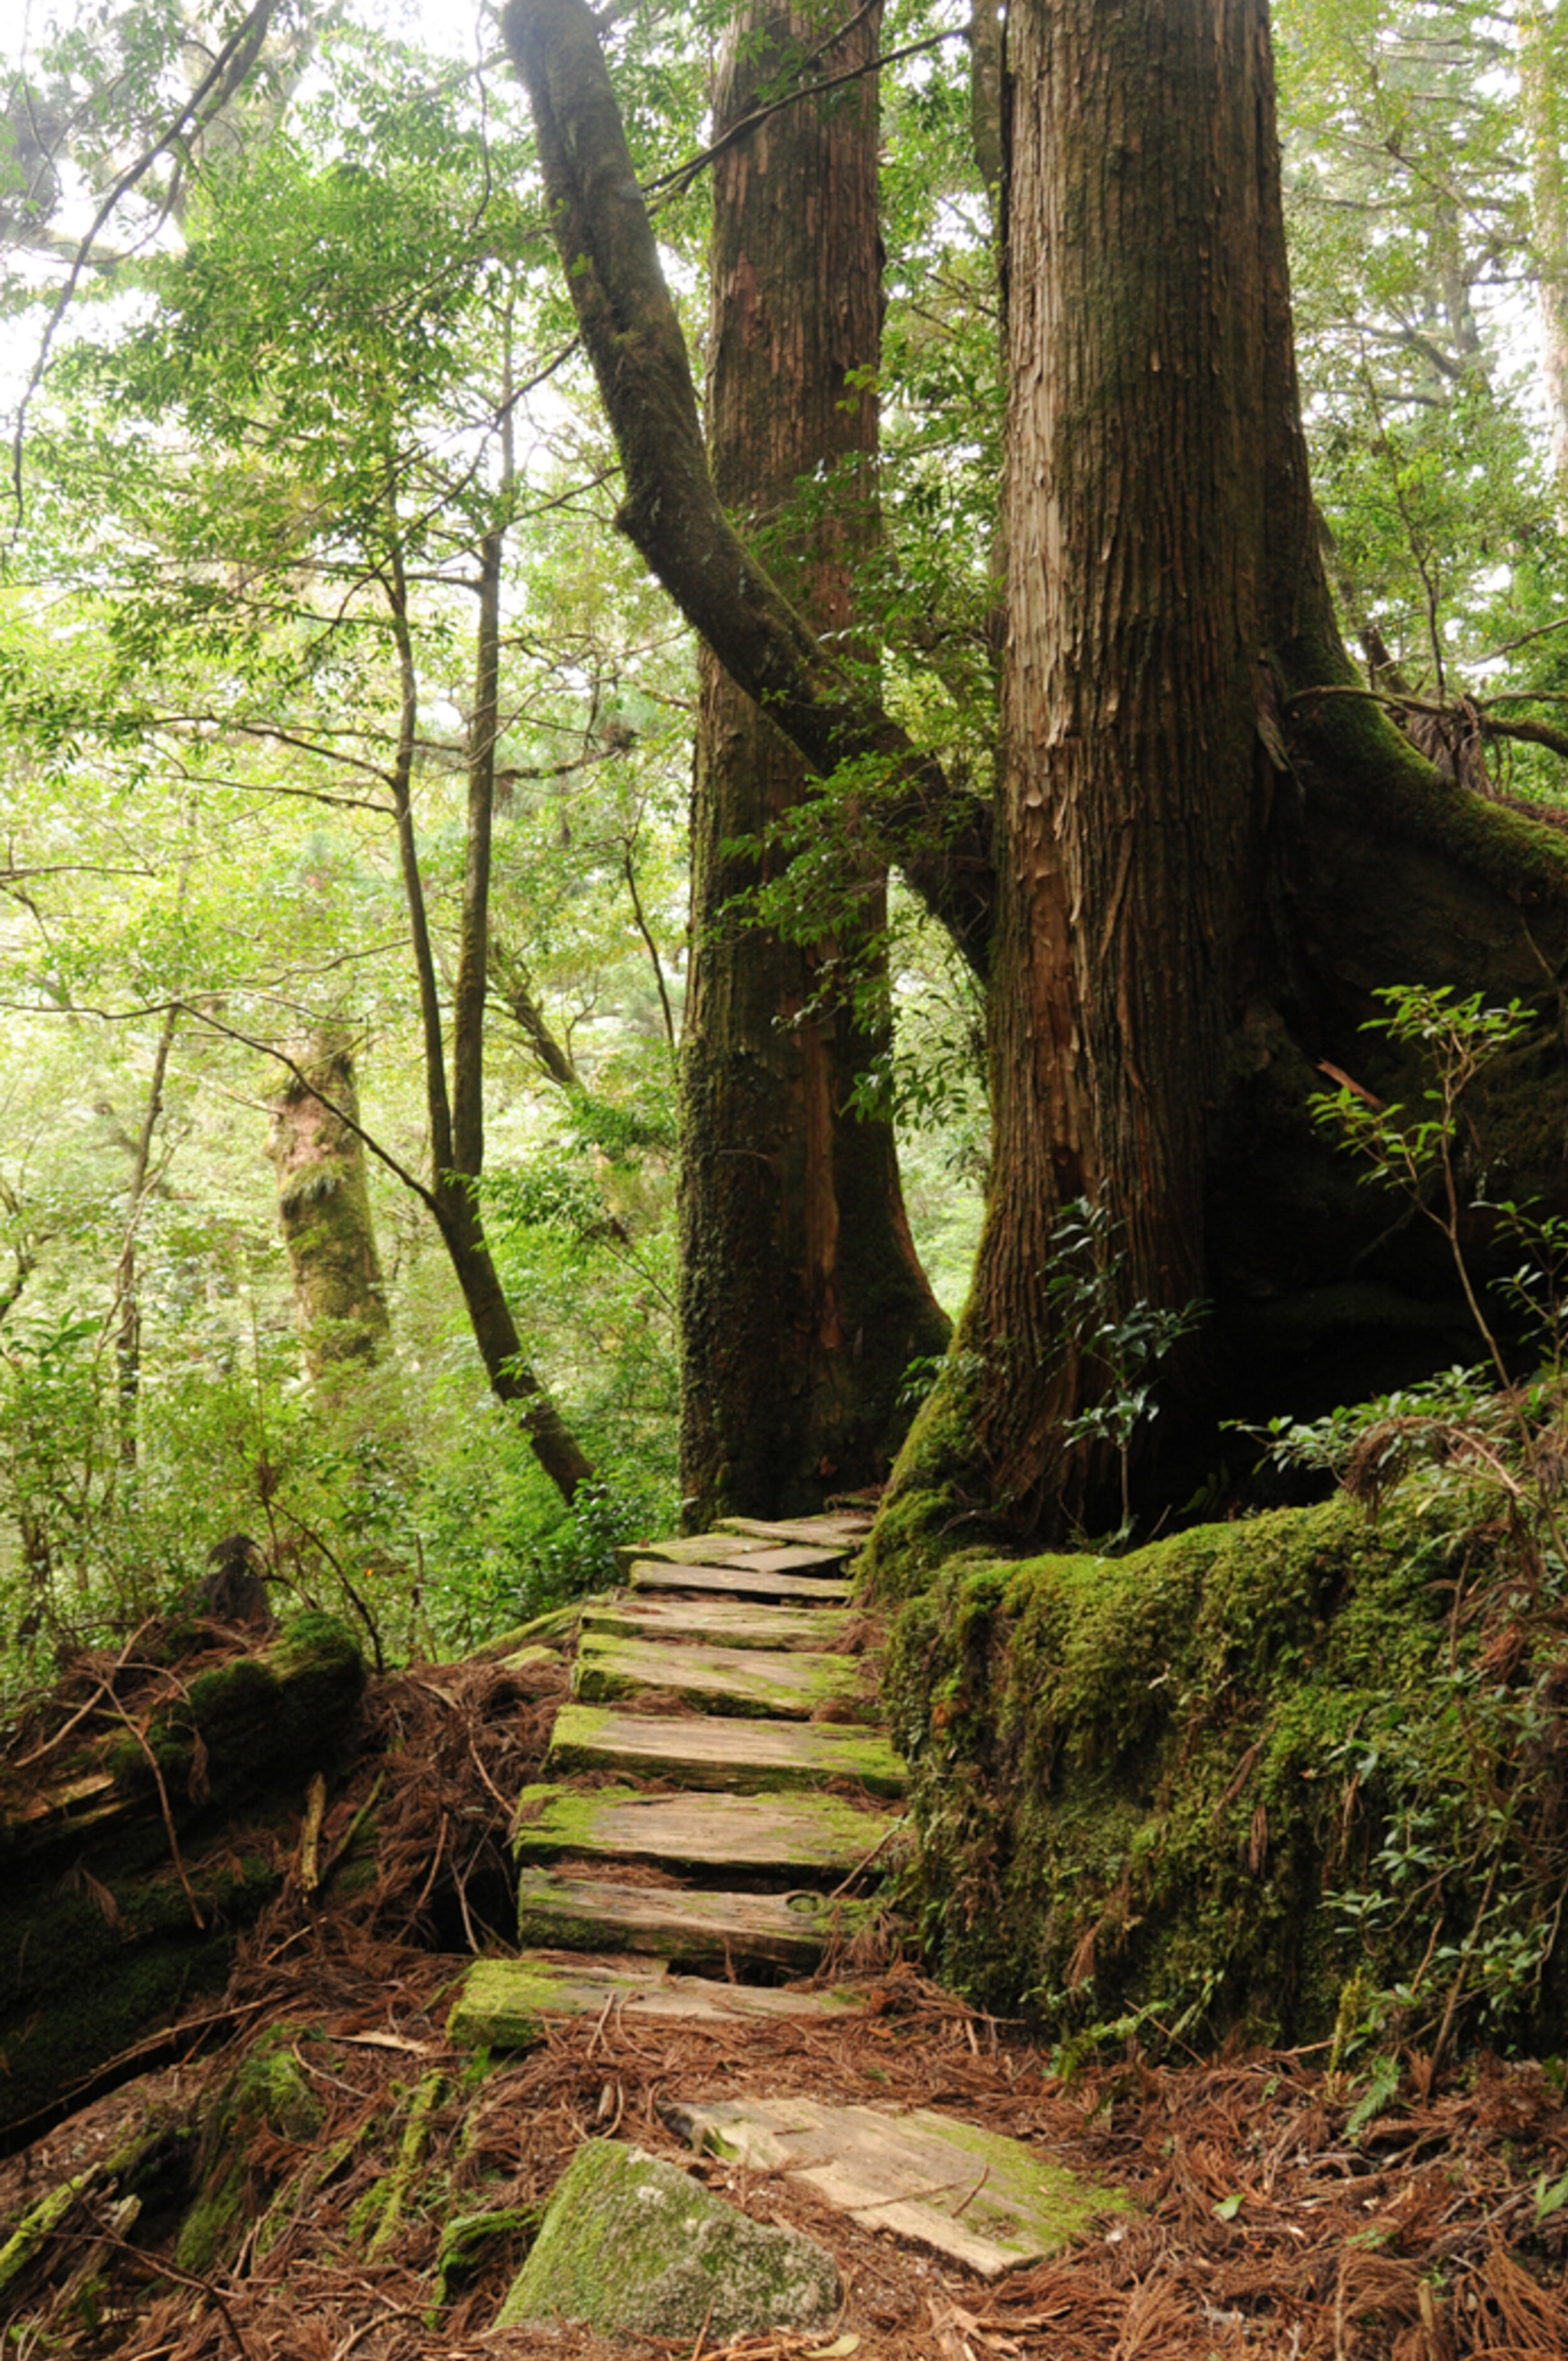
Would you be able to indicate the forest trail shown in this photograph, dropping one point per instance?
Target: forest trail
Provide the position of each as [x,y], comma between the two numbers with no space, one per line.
[722,1808]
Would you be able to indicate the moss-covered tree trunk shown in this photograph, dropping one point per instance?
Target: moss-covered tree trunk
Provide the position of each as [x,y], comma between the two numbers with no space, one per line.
[323,1210]
[802,1299]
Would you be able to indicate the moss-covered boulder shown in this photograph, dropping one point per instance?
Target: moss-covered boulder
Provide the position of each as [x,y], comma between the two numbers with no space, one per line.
[631,2246]
[1301,1772]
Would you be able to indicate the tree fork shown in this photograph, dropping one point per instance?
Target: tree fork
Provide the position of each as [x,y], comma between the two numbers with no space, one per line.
[939,835]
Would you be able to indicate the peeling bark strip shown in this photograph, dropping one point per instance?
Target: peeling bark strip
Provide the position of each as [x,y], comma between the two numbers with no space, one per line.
[939,837]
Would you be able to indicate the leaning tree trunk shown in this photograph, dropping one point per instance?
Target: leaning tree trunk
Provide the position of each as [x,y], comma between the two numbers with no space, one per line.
[323,1210]
[802,1299]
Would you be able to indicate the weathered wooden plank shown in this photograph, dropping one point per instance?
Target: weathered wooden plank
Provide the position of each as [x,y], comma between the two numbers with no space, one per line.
[693,1549]
[753,1559]
[731,1582]
[704,1751]
[748,1681]
[590,1913]
[845,1528]
[507,2004]
[988,2203]
[798,1836]
[719,1622]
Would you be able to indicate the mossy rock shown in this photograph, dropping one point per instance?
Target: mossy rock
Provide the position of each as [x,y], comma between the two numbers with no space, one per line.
[631,2246]
[1181,1791]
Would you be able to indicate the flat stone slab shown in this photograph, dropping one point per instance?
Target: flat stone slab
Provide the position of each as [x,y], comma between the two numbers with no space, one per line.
[671,1922]
[748,1579]
[720,1622]
[631,2245]
[798,1836]
[788,1688]
[704,1751]
[507,2004]
[988,2203]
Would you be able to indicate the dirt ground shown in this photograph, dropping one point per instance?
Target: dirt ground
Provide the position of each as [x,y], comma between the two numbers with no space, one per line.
[1278,2212]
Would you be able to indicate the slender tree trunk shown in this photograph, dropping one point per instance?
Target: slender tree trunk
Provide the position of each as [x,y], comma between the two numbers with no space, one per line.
[802,1300]
[456,1115]
[127,1292]
[1549,204]
[323,1210]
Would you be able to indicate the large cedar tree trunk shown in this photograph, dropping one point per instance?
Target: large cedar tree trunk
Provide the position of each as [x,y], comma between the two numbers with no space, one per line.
[1211,848]
[1204,868]
[802,1299]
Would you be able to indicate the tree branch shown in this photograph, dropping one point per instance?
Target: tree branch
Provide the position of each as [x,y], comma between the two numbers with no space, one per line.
[939,835]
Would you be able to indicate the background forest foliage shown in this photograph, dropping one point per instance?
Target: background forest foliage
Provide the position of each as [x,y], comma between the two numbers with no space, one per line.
[309,374]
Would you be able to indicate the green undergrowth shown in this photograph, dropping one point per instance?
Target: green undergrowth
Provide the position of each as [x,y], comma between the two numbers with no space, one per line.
[1301,1776]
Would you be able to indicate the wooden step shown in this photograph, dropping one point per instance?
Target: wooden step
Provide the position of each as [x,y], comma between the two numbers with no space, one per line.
[730,1582]
[695,1549]
[748,1681]
[590,1913]
[719,1622]
[726,1549]
[845,1530]
[509,2004]
[704,1751]
[799,1837]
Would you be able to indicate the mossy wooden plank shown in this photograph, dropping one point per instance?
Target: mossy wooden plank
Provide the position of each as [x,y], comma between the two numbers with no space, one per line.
[720,1622]
[797,1836]
[755,1581]
[704,1751]
[988,2203]
[507,2004]
[747,1681]
[591,1914]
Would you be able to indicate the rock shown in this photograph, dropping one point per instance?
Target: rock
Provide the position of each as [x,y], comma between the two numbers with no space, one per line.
[632,2246]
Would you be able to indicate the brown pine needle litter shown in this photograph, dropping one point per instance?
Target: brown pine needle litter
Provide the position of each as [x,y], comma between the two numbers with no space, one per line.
[1436,2230]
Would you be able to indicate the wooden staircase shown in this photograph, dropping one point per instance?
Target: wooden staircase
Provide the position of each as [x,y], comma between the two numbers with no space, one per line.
[719,1799]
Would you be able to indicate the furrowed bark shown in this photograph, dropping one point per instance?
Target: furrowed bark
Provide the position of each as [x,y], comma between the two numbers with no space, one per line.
[939,837]
[801,1302]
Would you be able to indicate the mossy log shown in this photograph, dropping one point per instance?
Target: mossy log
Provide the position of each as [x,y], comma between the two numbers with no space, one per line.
[130,1865]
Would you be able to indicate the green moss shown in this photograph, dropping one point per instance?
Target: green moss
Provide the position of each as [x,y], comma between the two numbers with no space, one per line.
[267,2092]
[284,1710]
[631,2245]
[1156,1784]
[392,2193]
[470,2242]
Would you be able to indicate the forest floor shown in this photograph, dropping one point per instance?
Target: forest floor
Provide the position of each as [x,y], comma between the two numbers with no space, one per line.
[1279,2210]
